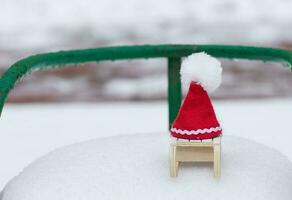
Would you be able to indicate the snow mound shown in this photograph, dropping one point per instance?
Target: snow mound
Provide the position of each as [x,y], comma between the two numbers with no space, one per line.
[136,167]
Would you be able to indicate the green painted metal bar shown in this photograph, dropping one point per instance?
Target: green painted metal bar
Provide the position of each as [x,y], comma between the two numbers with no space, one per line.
[61,58]
[174,88]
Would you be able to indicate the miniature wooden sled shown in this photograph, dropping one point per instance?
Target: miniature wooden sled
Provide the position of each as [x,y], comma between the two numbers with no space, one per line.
[182,150]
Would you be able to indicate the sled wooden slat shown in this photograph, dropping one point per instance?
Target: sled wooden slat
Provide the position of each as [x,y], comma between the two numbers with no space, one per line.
[199,151]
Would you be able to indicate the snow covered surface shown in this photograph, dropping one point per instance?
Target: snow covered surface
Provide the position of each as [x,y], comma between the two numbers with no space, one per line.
[30,131]
[136,167]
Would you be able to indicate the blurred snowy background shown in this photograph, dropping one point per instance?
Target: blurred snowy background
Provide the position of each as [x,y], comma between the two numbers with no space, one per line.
[32,26]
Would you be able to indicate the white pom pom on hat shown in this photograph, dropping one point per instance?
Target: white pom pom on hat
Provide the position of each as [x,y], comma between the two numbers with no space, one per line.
[203,69]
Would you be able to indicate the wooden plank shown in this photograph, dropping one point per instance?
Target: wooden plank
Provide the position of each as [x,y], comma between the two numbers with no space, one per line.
[173,140]
[193,144]
[207,140]
[195,141]
[182,140]
[217,160]
[173,162]
[217,140]
[193,153]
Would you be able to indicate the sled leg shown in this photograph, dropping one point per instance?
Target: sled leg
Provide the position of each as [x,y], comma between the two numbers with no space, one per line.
[196,151]
[217,160]
[173,163]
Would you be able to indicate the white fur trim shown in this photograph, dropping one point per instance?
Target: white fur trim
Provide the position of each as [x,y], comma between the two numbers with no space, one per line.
[202,68]
[196,132]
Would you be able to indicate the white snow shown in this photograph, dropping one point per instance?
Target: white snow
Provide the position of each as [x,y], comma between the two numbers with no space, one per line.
[150,86]
[30,131]
[136,167]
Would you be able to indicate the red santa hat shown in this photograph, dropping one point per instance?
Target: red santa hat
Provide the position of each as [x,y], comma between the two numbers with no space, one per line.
[196,119]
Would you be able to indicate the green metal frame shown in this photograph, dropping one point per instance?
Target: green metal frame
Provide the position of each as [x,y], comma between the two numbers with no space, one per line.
[173,53]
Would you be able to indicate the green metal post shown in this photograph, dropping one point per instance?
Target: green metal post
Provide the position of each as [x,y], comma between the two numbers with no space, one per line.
[174,88]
